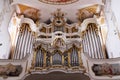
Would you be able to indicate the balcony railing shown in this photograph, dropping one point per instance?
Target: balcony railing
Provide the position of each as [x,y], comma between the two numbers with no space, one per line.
[102,69]
[97,69]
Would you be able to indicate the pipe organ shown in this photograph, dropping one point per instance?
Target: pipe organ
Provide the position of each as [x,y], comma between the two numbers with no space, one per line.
[69,41]
[39,58]
[57,58]
[24,43]
[58,44]
[91,42]
[74,57]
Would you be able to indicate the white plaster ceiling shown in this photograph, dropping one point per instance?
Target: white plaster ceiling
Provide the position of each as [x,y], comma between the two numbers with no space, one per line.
[47,9]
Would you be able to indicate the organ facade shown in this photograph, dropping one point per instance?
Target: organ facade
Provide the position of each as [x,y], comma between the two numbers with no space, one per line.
[56,39]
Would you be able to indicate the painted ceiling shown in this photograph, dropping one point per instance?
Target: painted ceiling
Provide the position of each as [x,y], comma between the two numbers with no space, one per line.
[58,2]
[42,10]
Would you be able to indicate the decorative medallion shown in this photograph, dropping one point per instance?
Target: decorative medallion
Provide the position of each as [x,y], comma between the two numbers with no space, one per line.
[58,2]
[58,42]
[58,18]
[9,70]
[106,69]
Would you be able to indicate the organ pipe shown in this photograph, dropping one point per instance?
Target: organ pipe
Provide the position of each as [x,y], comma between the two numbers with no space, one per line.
[92,43]
[39,58]
[57,59]
[74,57]
[24,42]
[43,58]
[69,59]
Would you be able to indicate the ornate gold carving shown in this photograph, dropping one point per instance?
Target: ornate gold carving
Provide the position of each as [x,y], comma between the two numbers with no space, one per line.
[69,59]
[63,60]
[87,12]
[51,65]
[34,60]
[43,29]
[44,61]
[51,60]
[58,42]
[29,12]
[74,30]
[23,26]
[37,23]
[80,58]
[58,20]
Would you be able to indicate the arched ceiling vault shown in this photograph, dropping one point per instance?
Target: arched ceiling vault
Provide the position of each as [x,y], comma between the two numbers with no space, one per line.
[45,9]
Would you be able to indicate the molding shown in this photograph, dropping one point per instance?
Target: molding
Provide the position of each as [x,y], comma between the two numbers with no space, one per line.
[30,22]
[86,22]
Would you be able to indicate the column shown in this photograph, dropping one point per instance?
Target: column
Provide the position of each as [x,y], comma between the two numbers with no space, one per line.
[51,60]
[79,57]
[63,60]
[34,60]
[69,59]
[44,63]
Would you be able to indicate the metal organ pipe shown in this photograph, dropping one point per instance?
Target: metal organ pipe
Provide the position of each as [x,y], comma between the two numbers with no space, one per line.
[96,52]
[31,43]
[39,58]
[99,42]
[27,38]
[24,43]
[20,46]
[57,59]
[88,44]
[74,57]
[16,48]
[91,42]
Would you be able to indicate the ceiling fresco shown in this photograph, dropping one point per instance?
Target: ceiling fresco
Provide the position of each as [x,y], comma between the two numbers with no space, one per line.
[30,12]
[58,2]
[42,9]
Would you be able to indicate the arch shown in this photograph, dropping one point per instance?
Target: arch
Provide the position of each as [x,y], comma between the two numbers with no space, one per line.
[24,43]
[74,56]
[91,42]
[37,48]
[31,23]
[57,58]
[39,60]
[25,26]
[85,23]
[56,51]
[61,75]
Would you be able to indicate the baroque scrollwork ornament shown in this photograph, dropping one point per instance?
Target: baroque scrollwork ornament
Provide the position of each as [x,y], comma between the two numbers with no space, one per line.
[58,18]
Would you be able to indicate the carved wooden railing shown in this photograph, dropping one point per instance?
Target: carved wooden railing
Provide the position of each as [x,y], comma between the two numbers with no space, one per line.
[59,68]
[101,69]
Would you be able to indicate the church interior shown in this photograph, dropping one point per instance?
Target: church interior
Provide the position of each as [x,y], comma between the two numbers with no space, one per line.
[59,40]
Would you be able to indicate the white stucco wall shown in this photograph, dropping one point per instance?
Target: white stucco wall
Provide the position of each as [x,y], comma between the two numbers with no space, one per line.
[4,34]
[1,5]
[4,38]
[115,4]
[113,40]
